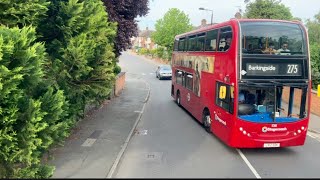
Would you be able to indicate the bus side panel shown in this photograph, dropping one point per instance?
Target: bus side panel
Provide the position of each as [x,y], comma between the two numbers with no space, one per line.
[224,72]
[207,92]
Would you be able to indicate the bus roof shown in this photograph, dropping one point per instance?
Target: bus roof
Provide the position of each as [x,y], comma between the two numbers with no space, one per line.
[233,20]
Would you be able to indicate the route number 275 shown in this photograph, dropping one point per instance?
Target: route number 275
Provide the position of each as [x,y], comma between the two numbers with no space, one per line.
[292,69]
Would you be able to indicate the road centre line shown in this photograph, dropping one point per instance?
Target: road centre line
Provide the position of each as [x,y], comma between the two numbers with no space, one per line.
[249,164]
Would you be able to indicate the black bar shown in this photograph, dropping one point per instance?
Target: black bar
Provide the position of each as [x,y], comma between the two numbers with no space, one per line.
[290,101]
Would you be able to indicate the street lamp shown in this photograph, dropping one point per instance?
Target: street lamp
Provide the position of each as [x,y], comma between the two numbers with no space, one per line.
[208,10]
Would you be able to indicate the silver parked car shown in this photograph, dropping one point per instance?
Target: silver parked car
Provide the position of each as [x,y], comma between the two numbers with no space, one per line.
[164,72]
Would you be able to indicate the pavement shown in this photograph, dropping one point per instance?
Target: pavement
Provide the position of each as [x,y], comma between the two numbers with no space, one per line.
[97,143]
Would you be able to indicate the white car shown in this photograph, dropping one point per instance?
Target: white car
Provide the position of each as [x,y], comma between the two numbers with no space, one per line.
[164,72]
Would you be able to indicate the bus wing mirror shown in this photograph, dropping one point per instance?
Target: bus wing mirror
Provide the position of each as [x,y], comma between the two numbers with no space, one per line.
[222,92]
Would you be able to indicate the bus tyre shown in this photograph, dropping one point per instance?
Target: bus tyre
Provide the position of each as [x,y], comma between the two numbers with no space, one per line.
[178,98]
[206,121]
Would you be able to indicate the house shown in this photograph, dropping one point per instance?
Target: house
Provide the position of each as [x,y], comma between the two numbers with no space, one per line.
[143,40]
[203,24]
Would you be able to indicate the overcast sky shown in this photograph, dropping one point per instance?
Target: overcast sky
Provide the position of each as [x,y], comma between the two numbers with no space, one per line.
[223,10]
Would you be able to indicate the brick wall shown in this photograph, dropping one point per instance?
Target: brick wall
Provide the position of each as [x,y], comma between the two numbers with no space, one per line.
[315,101]
[120,82]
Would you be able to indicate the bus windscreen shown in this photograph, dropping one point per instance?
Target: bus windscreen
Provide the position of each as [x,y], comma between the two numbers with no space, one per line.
[278,38]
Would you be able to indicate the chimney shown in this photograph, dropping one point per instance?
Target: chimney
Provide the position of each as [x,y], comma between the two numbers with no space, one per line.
[203,22]
[238,15]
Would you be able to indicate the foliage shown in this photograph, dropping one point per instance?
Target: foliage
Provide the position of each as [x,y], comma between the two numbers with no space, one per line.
[314,39]
[173,23]
[314,29]
[315,64]
[79,40]
[267,9]
[43,91]
[24,113]
[124,12]
[22,12]
[143,51]
[117,69]
[35,171]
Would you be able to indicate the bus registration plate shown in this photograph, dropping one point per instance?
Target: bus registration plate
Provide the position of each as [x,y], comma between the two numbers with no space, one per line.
[269,145]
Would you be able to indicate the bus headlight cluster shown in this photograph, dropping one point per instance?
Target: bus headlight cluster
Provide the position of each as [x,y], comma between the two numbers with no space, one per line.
[299,131]
[244,132]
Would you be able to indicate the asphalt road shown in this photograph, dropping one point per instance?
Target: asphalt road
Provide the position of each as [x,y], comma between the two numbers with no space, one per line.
[172,144]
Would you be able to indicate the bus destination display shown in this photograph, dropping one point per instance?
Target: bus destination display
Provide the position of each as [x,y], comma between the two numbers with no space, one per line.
[266,69]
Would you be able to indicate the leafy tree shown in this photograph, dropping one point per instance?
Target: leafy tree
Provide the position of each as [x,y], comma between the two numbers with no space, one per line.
[124,12]
[314,39]
[314,29]
[315,64]
[22,12]
[173,23]
[267,9]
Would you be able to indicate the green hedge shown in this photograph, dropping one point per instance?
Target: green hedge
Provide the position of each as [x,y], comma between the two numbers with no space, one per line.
[48,74]
[31,113]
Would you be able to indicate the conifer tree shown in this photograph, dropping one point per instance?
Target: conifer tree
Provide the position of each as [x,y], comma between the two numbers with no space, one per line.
[80,48]
[21,114]
[22,12]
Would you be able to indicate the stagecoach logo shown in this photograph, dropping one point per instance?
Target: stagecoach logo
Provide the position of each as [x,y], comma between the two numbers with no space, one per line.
[271,129]
[188,97]
[216,117]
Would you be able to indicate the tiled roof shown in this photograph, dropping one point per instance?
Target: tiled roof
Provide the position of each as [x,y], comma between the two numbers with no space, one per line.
[145,33]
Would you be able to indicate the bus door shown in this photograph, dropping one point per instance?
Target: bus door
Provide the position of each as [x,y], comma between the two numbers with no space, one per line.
[188,95]
[223,114]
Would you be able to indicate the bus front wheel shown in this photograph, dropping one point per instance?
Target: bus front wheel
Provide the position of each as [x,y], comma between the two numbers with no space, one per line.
[206,120]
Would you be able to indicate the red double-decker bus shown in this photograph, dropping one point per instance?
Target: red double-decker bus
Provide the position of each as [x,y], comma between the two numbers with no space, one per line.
[246,80]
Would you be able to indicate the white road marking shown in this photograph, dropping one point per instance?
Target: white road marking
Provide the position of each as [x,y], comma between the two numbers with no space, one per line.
[143,74]
[311,135]
[137,111]
[249,164]
[314,135]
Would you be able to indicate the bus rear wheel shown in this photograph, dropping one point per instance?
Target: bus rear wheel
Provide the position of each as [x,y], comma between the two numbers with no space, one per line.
[206,120]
